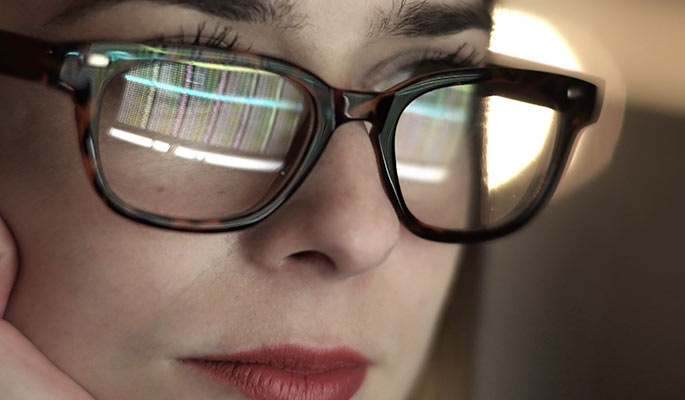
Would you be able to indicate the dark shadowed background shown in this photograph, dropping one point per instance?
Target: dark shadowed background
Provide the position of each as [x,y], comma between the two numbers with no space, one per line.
[588,302]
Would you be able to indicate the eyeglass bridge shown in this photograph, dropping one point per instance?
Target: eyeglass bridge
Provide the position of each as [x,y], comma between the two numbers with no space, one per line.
[356,106]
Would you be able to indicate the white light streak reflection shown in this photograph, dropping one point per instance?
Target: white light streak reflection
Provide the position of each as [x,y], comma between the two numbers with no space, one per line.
[139,140]
[222,160]
[160,146]
[406,171]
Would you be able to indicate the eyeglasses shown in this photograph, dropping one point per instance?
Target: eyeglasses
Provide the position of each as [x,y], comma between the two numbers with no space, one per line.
[197,139]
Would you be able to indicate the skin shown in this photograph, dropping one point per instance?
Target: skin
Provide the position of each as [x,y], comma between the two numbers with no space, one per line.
[103,307]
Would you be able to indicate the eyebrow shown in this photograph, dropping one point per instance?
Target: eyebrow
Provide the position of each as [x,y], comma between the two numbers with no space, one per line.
[277,12]
[423,18]
[405,18]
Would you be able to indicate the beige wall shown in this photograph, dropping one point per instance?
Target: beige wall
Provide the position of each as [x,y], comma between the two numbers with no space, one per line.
[645,38]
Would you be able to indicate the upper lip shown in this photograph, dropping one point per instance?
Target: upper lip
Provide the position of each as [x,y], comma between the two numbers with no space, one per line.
[293,358]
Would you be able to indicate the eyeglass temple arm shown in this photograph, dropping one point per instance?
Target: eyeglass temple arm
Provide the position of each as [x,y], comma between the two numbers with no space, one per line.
[562,93]
[586,87]
[27,58]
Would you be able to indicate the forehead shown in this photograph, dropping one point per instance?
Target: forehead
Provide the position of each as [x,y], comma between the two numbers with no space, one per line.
[368,17]
[380,15]
[378,18]
[289,11]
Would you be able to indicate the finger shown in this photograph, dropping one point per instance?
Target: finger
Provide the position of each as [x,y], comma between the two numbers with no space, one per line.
[8,264]
[25,373]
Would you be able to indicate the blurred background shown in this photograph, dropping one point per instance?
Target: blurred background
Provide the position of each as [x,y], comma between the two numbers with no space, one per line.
[588,301]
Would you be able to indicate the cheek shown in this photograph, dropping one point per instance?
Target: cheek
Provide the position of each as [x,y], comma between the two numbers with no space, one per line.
[93,299]
[423,271]
[40,164]
[415,294]
[411,293]
[86,275]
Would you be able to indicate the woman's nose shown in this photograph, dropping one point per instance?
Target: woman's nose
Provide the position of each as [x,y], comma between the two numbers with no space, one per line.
[339,221]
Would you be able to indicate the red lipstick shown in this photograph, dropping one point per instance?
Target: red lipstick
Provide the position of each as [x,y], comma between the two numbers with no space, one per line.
[289,372]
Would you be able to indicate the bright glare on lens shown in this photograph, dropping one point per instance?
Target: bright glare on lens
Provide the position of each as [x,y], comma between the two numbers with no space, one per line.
[515,130]
[516,134]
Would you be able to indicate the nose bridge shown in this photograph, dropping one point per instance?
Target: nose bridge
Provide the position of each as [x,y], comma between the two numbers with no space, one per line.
[355,106]
[373,108]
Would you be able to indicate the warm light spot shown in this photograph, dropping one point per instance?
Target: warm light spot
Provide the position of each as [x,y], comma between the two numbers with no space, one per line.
[525,36]
[516,134]
[516,131]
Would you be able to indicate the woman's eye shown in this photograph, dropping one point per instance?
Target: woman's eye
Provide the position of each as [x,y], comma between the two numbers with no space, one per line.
[427,62]
[413,70]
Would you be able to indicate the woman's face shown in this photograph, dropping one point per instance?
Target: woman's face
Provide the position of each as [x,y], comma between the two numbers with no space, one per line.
[118,306]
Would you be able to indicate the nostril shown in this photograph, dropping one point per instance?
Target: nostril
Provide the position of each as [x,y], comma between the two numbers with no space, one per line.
[312,258]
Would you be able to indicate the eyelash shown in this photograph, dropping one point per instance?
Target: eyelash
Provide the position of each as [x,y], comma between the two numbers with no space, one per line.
[451,60]
[417,64]
[431,61]
[217,39]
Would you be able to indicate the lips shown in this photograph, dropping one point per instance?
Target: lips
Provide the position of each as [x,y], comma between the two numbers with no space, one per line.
[289,372]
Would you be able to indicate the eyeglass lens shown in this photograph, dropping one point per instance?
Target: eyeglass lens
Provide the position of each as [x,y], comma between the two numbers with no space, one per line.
[200,143]
[467,161]
[196,142]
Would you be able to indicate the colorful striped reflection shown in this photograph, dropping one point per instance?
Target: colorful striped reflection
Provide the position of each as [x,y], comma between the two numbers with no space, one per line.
[240,109]
[257,102]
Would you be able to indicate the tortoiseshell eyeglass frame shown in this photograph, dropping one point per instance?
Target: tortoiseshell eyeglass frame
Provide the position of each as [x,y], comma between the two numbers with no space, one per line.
[63,66]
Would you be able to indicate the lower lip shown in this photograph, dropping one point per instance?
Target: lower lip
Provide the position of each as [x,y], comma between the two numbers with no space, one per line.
[289,373]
